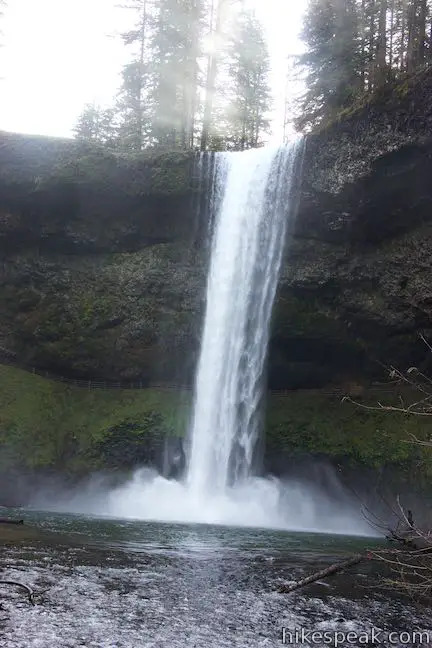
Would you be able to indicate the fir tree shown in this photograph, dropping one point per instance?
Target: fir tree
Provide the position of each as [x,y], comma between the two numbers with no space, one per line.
[96,124]
[357,46]
[174,93]
[332,60]
[132,104]
[247,112]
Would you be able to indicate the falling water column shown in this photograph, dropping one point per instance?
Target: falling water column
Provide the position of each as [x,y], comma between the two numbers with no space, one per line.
[246,256]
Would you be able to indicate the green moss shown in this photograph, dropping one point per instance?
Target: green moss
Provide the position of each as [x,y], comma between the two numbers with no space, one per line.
[49,424]
[46,424]
[314,423]
[388,95]
[151,171]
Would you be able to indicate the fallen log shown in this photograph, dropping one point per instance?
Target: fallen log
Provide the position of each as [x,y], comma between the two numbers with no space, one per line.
[10,521]
[30,593]
[328,571]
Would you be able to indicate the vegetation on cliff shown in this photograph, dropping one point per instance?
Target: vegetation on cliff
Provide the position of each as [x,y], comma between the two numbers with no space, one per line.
[119,316]
[50,425]
[356,48]
[319,424]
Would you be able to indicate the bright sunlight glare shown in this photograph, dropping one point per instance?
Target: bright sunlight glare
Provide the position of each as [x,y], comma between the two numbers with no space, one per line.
[58,56]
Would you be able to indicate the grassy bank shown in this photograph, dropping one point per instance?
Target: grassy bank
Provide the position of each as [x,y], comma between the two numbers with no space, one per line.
[50,424]
[45,424]
[324,425]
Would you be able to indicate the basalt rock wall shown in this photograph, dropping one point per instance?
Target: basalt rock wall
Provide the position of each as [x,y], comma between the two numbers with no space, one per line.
[103,262]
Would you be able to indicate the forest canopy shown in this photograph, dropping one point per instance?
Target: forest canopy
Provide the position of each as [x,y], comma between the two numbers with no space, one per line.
[355,47]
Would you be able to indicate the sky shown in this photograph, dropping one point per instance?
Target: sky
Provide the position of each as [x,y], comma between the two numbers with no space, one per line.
[61,54]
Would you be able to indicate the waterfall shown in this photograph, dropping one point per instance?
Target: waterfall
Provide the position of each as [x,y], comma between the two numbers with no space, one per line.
[246,256]
[250,200]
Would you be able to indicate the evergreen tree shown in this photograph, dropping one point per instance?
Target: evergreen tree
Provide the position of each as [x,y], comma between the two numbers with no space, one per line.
[171,51]
[174,93]
[357,46]
[332,60]
[216,21]
[96,124]
[222,22]
[132,104]
[247,112]
[158,97]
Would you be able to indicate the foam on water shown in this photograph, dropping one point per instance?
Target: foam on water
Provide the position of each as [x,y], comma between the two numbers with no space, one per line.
[221,594]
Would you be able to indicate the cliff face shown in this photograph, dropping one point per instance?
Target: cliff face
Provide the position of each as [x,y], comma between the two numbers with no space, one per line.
[103,269]
[102,273]
[356,287]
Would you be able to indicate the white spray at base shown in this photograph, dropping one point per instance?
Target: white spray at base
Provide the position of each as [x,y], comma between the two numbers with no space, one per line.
[255,202]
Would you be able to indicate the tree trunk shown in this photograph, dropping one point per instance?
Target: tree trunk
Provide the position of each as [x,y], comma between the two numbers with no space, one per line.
[421,54]
[363,44]
[382,43]
[403,35]
[328,571]
[140,129]
[392,26]
[211,76]
[190,76]
[411,37]
[371,75]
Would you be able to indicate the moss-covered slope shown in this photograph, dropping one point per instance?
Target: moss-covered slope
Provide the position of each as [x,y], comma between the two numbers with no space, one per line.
[45,425]
[50,425]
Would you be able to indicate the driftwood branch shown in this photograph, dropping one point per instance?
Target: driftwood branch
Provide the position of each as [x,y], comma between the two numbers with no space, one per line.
[30,593]
[323,573]
[10,521]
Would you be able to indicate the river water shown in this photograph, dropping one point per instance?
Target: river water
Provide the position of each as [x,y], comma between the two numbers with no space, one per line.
[132,584]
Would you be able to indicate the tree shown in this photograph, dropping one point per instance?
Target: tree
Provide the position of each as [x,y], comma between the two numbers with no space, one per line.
[96,124]
[132,104]
[357,46]
[158,97]
[332,59]
[221,22]
[175,47]
[210,85]
[381,50]
[293,94]
[171,85]
[248,69]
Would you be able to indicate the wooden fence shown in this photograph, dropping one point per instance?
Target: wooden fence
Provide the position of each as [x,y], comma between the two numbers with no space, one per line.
[8,357]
